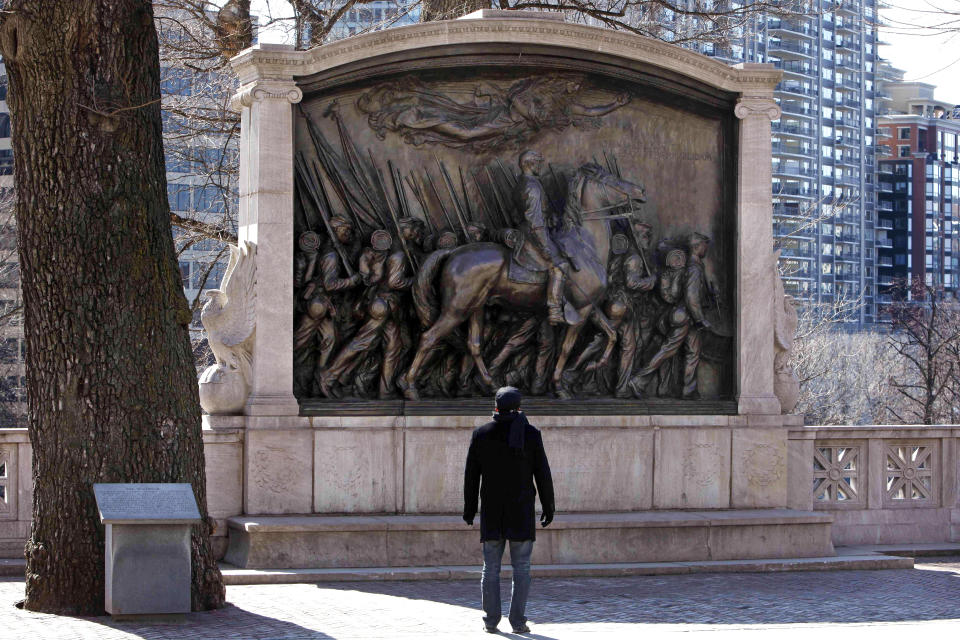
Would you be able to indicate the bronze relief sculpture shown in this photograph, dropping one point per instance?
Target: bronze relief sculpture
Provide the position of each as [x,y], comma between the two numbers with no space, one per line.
[493,117]
[435,281]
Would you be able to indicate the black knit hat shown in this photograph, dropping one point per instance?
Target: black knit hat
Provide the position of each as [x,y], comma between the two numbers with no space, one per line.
[508,399]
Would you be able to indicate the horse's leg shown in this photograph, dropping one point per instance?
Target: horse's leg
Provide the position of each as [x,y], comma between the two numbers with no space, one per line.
[445,324]
[473,344]
[569,339]
[608,328]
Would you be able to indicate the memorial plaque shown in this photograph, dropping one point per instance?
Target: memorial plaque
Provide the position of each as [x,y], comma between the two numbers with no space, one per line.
[146,503]
[562,226]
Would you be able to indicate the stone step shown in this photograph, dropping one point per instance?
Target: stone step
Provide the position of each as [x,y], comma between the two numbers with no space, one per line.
[332,542]
[235,576]
[12,548]
[12,567]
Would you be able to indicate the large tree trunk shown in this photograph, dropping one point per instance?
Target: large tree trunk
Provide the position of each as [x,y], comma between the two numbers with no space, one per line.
[431,10]
[111,383]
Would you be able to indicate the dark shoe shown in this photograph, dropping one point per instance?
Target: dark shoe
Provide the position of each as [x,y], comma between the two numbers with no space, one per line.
[522,629]
[490,629]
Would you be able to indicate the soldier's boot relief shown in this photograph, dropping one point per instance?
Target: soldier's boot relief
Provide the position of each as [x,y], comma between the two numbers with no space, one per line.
[555,297]
[637,384]
[408,388]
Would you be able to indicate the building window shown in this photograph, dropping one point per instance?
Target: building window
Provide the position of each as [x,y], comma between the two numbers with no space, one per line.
[903,150]
[903,133]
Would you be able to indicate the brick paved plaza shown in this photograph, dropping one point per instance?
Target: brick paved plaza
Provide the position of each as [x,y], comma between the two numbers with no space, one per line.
[855,603]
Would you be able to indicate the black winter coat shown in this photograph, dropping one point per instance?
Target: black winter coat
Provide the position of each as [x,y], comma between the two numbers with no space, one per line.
[504,477]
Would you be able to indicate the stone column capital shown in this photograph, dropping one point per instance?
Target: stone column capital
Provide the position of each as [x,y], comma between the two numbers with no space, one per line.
[266,89]
[748,106]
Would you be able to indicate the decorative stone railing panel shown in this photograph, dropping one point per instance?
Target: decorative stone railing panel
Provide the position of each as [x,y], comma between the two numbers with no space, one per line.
[836,474]
[885,484]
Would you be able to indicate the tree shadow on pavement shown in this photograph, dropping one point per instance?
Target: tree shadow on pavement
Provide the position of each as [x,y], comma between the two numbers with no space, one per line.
[229,622]
[716,599]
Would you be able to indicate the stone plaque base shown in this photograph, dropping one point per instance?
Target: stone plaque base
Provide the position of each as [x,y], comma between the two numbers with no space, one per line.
[147,569]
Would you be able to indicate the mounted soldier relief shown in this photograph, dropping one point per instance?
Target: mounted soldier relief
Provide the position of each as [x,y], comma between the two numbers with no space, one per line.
[566,232]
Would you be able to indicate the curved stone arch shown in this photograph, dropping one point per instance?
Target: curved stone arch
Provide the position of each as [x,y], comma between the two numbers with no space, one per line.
[423,40]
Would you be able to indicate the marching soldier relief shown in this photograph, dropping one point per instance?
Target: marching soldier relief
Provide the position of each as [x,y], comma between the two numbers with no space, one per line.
[455,235]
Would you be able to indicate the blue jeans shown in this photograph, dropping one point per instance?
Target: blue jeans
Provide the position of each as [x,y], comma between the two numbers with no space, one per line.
[520,551]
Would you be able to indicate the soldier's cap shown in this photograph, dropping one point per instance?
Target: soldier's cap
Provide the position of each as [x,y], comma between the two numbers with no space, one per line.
[380,240]
[508,399]
[309,241]
[339,222]
[675,255]
[530,156]
[697,238]
[641,225]
[447,240]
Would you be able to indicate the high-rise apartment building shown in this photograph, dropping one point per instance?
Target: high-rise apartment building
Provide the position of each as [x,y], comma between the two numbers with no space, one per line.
[918,228]
[371,16]
[12,384]
[824,163]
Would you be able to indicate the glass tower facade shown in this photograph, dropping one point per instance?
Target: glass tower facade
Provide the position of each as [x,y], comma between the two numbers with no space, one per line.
[824,162]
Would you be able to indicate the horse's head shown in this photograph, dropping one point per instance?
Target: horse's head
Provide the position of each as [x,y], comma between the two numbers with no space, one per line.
[615,191]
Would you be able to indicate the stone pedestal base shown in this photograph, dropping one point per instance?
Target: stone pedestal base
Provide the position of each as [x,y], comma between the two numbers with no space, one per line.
[319,542]
[147,569]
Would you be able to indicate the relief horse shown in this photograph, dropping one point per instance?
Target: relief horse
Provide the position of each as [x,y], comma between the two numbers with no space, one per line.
[475,275]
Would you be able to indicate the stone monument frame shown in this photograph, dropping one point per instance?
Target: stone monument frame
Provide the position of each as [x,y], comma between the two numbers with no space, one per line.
[313,480]
[274,77]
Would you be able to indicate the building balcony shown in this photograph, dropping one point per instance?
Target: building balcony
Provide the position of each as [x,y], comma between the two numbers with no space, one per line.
[797,110]
[884,223]
[798,67]
[797,90]
[787,170]
[792,129]
[790,149]
[787,190]
[785,47]
[790,252]
[885,243]
[846,25]
[804,30]
[885,261]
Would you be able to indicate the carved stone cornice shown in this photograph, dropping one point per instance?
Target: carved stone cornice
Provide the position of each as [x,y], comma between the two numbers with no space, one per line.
[266,89]
[748,106]
[276,61]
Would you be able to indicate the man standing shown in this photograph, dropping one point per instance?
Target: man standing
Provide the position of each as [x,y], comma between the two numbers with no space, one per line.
[504,459]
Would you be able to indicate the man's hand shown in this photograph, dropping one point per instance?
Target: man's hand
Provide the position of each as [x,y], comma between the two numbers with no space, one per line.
[546,518]
[468,519]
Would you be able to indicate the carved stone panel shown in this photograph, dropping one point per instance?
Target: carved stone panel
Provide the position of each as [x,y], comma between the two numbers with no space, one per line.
[562,226]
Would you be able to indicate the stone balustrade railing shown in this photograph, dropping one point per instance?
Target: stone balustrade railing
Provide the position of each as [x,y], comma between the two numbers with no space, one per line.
[883,484]
[223,450]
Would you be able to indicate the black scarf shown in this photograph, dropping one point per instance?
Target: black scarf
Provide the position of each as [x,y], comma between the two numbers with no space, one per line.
[518,428]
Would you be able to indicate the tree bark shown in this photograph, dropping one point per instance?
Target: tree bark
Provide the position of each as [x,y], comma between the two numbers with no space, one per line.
[110,377]
[431,10]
